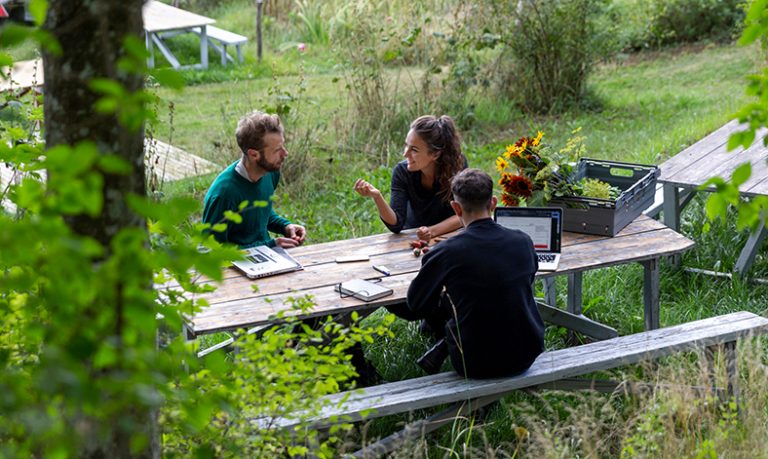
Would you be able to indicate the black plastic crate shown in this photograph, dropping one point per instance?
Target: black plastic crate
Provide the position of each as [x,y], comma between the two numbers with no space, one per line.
[606,217]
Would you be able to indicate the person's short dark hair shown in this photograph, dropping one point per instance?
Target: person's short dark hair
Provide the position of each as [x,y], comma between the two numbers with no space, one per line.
[252,128]
[473,189]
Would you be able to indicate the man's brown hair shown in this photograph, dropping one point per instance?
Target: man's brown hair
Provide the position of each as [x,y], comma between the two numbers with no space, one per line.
[252,128]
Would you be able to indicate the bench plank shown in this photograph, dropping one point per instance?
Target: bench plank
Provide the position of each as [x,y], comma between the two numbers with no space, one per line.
[449,387]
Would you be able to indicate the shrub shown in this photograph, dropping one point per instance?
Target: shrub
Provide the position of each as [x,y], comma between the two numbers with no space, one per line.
[655,23]
[549,52]
[537,54]
[685,21]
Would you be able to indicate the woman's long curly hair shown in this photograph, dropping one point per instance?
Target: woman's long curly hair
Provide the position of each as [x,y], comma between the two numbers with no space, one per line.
[440,135]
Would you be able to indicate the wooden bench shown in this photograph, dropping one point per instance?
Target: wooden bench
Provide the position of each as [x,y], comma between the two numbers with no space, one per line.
[225,38]
[467,395]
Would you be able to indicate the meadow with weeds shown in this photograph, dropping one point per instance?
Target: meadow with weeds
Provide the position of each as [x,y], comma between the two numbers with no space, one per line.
[369,67]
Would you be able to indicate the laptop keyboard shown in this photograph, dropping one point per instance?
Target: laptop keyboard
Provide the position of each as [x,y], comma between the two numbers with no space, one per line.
[545,257]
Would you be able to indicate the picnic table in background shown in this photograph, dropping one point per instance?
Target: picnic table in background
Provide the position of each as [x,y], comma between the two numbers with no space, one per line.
[161,21]
[235,304]
[683,174]
[22,76]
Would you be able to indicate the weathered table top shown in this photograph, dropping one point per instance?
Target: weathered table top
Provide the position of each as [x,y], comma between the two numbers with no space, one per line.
[709,157]
[160,17]
[236,305]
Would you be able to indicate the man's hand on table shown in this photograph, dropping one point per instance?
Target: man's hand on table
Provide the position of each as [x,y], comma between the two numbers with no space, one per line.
[294,236]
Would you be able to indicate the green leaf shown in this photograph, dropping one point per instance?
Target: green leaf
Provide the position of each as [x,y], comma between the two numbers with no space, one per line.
[135,47]
[47,41]
[747,218]
[106,105]
[12,34]
[756,10]
[107,86]
[37,9]
[718,182]
[242,205]
[169,77]
[234,217]
[219,227]
[750,34]
[716,206]
[114,164]
[742,138]
[741,174]
[5,60]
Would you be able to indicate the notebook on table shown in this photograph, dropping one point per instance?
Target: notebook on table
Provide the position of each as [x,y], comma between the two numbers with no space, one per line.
[544,225]
[263,261]
[363,290]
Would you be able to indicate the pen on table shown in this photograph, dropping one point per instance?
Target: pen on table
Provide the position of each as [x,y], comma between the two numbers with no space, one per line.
[381,269]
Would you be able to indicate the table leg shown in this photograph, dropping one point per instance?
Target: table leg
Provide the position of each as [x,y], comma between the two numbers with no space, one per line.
[573,303]
[166,52]
[747,256]
[550,291]
[204,46]
[150,48]
[671,208]
[651,293]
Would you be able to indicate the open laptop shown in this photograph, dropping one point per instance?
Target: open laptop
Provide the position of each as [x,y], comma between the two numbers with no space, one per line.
[263,261]
[544,225]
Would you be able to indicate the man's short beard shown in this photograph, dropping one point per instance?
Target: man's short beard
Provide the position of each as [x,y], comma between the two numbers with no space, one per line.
[266,165]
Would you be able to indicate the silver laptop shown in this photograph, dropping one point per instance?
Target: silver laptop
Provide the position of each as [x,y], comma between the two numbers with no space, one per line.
[263,261]
[544,225]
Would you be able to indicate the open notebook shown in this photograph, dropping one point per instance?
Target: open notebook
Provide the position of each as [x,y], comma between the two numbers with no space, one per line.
[263,261]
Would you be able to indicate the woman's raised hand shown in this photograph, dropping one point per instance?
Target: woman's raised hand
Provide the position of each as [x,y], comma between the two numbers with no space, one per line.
[364,188]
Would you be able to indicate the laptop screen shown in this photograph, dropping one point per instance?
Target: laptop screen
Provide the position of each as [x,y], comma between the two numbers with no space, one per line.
[542,224]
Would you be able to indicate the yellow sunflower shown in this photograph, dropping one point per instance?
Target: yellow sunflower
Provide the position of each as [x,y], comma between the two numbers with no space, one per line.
[501,164]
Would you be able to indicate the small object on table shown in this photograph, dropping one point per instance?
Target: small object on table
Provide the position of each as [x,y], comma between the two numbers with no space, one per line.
[352,258]
[382,269]
[419,246]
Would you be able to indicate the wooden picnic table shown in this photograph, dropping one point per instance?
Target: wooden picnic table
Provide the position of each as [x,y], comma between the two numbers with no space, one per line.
[162,21]
[683,174]
[236,305]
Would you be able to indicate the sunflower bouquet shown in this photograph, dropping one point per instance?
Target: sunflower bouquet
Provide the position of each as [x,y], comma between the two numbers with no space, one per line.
[532,173]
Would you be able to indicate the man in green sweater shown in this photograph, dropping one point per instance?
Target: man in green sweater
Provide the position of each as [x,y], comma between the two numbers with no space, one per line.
[253,178]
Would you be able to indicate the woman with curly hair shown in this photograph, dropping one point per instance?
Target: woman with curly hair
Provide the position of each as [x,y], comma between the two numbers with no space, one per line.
[420,192]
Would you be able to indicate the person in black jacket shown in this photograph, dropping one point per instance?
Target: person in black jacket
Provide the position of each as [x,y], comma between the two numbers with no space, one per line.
[479,286]
[420,191]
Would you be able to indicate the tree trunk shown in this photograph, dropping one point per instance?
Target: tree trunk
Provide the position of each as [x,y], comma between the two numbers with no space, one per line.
[91,35]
